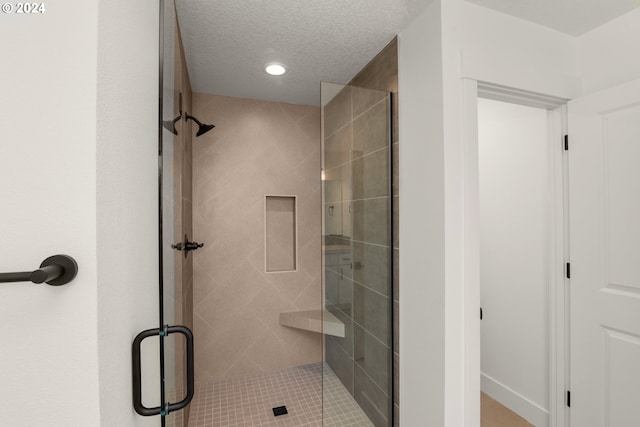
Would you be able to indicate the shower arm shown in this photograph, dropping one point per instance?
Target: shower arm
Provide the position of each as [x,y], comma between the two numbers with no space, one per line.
[188,117]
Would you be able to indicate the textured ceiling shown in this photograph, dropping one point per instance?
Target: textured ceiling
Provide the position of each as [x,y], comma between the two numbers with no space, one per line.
[573,17]
[228,42]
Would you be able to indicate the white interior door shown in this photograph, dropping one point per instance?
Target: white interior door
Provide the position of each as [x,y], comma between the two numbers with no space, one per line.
[604,203]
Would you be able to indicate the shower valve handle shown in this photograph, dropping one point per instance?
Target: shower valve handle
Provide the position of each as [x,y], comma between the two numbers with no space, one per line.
[187,245]
[192,246]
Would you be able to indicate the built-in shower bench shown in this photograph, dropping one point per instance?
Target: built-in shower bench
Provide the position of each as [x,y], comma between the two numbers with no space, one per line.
[320,321]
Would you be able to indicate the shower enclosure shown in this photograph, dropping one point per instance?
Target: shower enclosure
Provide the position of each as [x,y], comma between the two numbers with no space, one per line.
[292,310]
[357,246]
[290,299]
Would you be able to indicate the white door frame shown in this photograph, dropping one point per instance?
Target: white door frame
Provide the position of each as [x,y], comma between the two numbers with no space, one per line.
[558,244]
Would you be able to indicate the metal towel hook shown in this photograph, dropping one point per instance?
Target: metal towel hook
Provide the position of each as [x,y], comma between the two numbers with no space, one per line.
[55,271]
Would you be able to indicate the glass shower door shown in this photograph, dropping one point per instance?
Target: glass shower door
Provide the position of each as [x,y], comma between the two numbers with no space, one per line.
[171,340]
[357,255]
[175,354]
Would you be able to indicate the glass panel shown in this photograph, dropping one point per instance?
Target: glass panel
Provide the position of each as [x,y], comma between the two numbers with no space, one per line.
[358,380]
[170,166]
[173,228]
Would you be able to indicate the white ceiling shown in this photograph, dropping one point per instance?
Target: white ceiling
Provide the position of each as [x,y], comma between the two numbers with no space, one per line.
[228,42]
[572,17]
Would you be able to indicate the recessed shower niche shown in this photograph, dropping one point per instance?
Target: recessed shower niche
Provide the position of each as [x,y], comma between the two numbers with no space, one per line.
[280,233]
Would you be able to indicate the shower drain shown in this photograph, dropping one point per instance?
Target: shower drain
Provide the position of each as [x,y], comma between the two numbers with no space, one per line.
[280,410]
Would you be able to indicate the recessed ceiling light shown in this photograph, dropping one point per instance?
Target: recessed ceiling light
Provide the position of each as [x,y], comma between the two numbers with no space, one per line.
[275,69]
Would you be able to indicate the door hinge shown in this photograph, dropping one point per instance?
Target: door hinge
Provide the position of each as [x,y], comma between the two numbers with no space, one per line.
[566,143]
[568,399]
[568,268]
[480,313]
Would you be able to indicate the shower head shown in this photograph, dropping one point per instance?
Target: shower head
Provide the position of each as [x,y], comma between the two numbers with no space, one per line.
[202,128]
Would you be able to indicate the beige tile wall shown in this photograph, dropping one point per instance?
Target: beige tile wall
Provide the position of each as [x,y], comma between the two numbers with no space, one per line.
[258,148]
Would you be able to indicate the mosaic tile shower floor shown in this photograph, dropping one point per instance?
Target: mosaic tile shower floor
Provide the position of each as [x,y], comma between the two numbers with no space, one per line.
[248,401]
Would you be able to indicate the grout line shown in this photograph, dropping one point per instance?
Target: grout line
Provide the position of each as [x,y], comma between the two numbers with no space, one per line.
[385,149]
[354,118]
[371,244]
[369,288]
[373,336]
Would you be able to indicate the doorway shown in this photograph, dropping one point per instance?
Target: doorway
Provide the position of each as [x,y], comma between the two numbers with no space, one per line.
[521,254]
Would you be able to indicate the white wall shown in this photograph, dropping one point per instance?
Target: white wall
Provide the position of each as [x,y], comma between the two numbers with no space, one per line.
[609,54]
[127,162]
[49,355]
[498,48]
[514,250]
[421,176]
[78,123]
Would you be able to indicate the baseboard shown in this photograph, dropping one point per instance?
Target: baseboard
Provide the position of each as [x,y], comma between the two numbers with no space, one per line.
[519,404]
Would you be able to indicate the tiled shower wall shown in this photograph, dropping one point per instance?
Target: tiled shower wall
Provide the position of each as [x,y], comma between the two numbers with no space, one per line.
[382,74]
[358,270]
[257,148]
